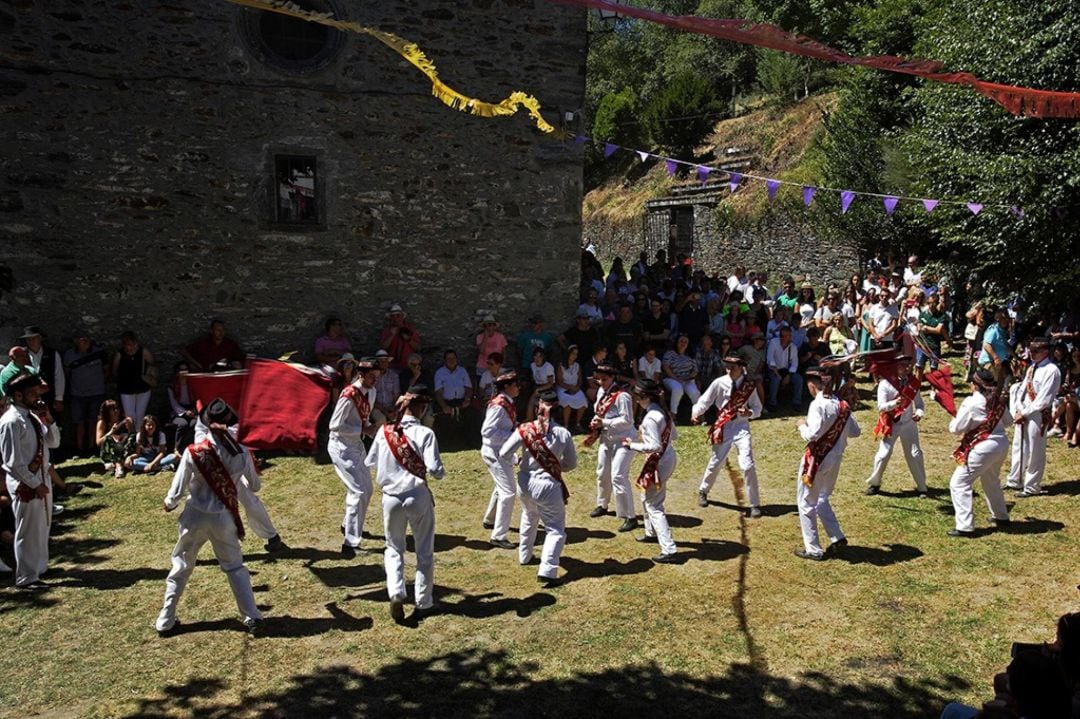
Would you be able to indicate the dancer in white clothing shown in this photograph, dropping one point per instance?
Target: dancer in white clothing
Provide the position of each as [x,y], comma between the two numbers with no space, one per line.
[1032,418]
[982,451]
[349,424]
[900,409]
[614,422]
[658,435]
[499,423]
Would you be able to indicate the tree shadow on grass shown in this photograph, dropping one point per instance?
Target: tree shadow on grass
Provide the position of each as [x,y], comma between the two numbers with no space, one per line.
[286,626]
[879,556]
[107,579]
[485,684]
[12,599]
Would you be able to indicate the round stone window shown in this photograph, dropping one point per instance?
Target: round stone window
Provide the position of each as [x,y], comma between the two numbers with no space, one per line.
[291,44]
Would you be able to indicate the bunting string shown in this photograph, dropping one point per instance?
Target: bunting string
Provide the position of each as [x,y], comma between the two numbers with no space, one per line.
[412,53]
[1017,100]
[809,192]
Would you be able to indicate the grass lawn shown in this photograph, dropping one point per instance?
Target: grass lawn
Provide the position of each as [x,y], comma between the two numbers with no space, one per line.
[907,620]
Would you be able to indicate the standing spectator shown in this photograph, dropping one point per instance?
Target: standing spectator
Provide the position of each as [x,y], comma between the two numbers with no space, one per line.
[824,314]
[973,332]
[48,365]
[788,296]
[388,389]
[754,355]
[214,352]
[488,341]
[18,364]
[115,437]
[399,338]
[717,321]
[680,374]
[150,454]
[583,334]
[533,337]
[995,346]
[693,318]
[866,320]
[783,363]
[333,344]
[913,273]
[615,274]
[655,326]
[135,373]
[933,328]
[807,304]
[625,329]
[568,389]
[1070,381]
[736,325]
[739,281]
[884,321]
[182,406]
[709,363]
[86,363]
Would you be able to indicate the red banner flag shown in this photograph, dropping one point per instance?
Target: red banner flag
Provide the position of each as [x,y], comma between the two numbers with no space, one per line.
[941,380]
[281,405]
[205,387]
[1017,100]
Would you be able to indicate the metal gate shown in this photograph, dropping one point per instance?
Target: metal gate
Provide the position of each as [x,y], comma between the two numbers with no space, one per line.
[670,229]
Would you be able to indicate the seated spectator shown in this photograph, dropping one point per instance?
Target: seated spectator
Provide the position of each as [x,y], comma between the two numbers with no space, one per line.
[649,366]
[717,321]
[115,437]
[723,346]
[568,378]
[135,372]
[625,329]
[709,363]
[782,359]
[779,320]
[736,326]
[399,338]
[543,377]
[624,364]
[333,344]
[759,312]
[86,363]
[693,318]
[489,340]
[213,352]
[813,351]
[583,334]
[591,307]
[388,390]
[680,374]
[533,337]
[182,406]
[753,354]
[150,454]
[588,370]
[655,326]
[414,374]
[453,395]
[838,337]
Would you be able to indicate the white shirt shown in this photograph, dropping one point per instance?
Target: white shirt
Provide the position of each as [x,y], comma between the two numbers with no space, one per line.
[596,315]
[821,416]
[486,385]
[825,314]
[718,394]
[779,357]
[971,414]
[18,445]
[558,440]
[189,480]
[912,277]
[453,383]
[888,397]
[649,370]
[882,317]
[772,330]
[543,374]
[652,433]
[619,421]
[497,426]
[58,382]
[1046,380]
[389,474]
[345,423]
[740,284]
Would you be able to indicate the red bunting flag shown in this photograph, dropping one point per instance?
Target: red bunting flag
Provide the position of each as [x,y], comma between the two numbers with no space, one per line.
[281,405]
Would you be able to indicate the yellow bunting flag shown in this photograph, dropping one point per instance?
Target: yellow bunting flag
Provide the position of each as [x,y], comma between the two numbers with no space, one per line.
[414,55]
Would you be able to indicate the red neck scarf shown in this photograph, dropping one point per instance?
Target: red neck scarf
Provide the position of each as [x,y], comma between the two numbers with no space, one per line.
[403,452]
[995,410]
[818,449]
[507,404]
[738,399]
[650,474]
[909,390]
[602,408]
[532,436]
[218,479]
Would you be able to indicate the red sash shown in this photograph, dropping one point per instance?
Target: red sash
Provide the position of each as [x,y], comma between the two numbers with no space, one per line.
[994,412]
[24,491]
[360,400]
[218,479]
[1047,413]
[649,472]
[818,449]
[403,452]
[602,408]
[908,392]
[731,409]
[533,439]
[501,400]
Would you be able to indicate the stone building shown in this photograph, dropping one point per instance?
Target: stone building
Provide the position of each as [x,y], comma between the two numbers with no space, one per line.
[165,163]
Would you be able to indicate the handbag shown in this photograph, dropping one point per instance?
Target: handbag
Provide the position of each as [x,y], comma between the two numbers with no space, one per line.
[971,331]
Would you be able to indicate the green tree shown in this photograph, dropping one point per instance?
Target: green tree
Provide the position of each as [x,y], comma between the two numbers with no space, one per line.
[680,116]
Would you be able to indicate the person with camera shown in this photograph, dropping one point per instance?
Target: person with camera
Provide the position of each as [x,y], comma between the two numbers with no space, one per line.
[27,433]
[115,437]
[398,337]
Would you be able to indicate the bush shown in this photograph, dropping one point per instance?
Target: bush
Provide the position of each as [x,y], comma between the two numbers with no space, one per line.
[617,119]
[682,114]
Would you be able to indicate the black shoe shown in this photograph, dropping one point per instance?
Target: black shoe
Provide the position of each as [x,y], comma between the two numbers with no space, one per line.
[348,551]
[35,586]
[421,612]
[647,540]
[548,582]
[872,490]
[170,632]
[702,499]
[397,609]
[598,512]
[274,544]
[628,525]
[837,546]
[502,544]
[755,513]
[666,558]
[958,533]
[489,525]
[254,627]
[803,554]
[342,528]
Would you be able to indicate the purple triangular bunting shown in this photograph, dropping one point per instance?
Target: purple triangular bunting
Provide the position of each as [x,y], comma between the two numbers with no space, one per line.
[609,149]
[672,167]
[929,205]
[703,173]
[808,195]
[975,207]
[846,198]
[580,139]
[735,179]
[773,186]
[890,205]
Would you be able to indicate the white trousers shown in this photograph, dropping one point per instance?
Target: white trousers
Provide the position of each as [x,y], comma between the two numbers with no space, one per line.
[349,464]
[908,436]
[739,436]
[542,501]
[413,510]
[613,470]
[677,389]
[656,524]
[501,505]
[813,502]
[984,464]
[1034,456]
[32,520]
[135,406]
[196,528]
[258,519]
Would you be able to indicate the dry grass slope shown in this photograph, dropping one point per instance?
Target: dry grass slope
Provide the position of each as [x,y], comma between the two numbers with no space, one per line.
[907,620]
